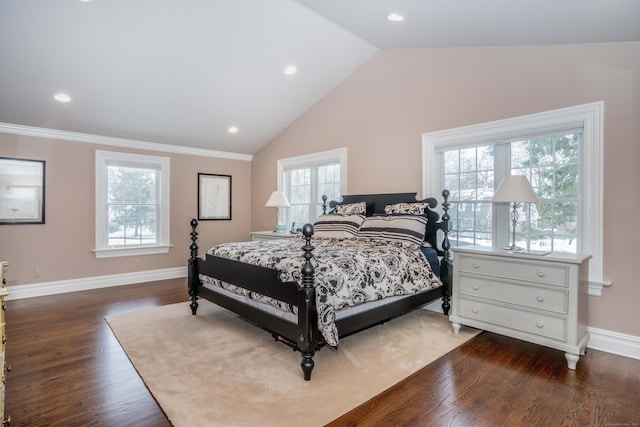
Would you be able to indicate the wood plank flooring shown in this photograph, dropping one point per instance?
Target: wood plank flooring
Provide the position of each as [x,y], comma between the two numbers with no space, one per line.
[67,369]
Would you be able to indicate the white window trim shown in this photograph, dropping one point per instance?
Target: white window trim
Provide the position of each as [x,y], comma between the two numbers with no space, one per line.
[588,116]
[101,247]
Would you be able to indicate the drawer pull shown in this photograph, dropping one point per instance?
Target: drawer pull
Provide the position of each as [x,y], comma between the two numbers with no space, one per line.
[476,265]
[475,309]
[476,287]
[540,298]
[540,324]
[540,273]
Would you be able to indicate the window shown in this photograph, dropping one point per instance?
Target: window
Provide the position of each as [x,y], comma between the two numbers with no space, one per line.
[305,179]
[132,204]
[550,164]
[560,151]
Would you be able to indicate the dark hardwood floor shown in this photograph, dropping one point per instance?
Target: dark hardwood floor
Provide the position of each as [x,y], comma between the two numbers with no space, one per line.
[67,369]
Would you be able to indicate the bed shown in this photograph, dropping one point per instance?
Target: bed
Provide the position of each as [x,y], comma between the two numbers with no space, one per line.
[289,288]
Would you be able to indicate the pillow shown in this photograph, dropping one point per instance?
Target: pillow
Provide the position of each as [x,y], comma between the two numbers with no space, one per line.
[406,208]
[337,226]
[401,228]
[359,208]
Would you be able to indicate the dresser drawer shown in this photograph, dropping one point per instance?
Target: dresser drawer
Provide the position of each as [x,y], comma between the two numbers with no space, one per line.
[539,272]
[515,319]
[541,298]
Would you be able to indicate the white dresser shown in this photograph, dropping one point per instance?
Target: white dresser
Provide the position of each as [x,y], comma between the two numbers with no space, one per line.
[541,299]
[270,235]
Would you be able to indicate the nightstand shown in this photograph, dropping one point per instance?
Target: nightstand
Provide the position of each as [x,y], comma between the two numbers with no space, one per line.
[540,299]
[270,235]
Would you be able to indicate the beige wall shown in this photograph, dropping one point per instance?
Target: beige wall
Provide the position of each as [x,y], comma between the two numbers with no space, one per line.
[381,110]
[61,249]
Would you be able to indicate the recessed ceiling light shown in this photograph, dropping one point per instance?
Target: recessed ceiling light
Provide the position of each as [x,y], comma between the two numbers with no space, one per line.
[395,17]
[290,70]
[233,129]
[62,97]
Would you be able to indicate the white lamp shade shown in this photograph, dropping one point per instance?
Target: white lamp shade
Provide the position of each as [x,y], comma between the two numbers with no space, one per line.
[277,200]
[515,188]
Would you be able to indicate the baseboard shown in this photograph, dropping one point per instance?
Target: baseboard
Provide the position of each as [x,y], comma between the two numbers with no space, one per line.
[88,283]
[614,342]
[600,339]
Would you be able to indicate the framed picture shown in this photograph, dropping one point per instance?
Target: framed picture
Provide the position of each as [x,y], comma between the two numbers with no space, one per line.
[214,196]
[21,191]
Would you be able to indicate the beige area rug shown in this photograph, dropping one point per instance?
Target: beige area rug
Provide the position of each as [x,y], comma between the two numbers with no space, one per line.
[214,369]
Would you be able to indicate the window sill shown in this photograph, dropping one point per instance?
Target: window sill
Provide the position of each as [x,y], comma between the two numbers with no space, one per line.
[596,287]
[140,250]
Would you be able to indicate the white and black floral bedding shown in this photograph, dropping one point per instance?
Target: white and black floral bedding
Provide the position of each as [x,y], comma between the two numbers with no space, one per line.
[348,272]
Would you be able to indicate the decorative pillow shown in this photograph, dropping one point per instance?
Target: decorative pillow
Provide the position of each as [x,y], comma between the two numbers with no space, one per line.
[402,228]
[338,226]
[406,208]
[352,209]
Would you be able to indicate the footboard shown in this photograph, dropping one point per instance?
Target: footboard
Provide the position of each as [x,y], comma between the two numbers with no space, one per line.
[303,335]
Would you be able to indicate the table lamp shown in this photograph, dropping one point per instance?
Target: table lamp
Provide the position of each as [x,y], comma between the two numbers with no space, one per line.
[279,200]
[514,189]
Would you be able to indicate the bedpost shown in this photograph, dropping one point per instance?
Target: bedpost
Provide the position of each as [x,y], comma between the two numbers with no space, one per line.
[445,264]
[307,314]
[324,204]
[193,276]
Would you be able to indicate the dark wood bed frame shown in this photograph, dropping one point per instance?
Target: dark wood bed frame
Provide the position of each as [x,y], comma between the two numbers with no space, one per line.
[304,336]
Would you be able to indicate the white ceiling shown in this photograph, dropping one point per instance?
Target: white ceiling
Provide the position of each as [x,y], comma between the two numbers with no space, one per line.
[182,72]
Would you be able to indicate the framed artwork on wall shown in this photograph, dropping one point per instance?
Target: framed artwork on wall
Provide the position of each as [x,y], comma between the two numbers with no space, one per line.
[22,191]
[214,197]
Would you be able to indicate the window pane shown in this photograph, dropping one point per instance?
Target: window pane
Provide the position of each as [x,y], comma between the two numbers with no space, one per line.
[566,181]
[452,161]
[468,159]
[452,183]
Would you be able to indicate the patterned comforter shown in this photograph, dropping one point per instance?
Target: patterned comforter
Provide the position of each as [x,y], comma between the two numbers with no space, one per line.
[348,272]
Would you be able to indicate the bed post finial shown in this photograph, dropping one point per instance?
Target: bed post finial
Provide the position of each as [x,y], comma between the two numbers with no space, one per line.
[193,279]
[445,264]
[324,204]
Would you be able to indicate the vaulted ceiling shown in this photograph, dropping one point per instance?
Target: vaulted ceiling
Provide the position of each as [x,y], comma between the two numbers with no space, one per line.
[184,72]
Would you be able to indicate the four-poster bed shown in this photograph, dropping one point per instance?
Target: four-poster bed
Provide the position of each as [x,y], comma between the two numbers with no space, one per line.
[300,306]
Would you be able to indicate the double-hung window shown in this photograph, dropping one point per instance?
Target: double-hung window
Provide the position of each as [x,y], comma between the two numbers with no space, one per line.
[132,204]
[305,179]
[559,151]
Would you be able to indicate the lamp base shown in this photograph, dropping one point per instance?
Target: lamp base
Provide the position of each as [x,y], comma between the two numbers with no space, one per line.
[281,228]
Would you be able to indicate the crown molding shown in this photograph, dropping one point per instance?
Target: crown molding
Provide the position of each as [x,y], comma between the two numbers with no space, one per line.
[118,142]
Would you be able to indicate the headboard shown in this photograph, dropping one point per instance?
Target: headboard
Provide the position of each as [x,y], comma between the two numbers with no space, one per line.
[377,202]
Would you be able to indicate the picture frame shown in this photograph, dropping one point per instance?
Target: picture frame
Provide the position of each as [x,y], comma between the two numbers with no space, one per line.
[22,191]
[214,197]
